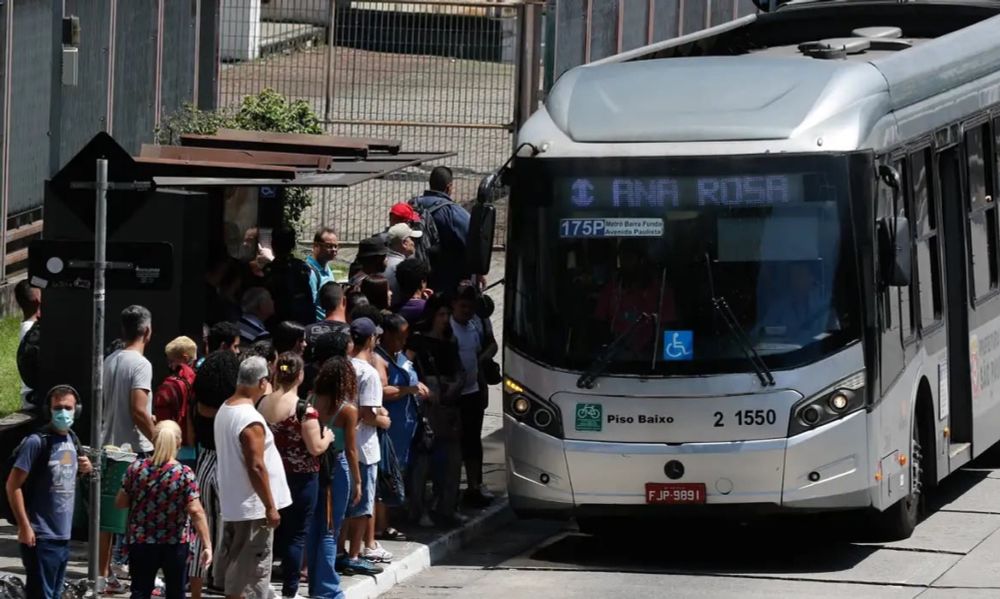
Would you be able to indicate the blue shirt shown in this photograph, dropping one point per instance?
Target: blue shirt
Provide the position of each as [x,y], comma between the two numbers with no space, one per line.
[319,275]
[49,494]
[448,263]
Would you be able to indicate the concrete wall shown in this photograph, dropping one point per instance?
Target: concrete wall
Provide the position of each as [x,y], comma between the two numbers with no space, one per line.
[151,72]
[239,29]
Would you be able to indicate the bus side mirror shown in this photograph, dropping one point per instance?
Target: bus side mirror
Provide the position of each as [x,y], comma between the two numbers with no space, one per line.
[482,227]
[894,251]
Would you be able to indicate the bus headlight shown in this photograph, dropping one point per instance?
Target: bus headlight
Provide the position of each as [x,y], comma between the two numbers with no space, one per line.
[520,405]
[846,397]
[531,410]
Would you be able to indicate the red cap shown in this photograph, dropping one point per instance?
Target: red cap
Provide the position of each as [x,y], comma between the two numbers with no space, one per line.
[405,211]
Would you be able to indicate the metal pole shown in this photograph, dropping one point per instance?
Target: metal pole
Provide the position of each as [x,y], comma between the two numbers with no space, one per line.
[97,361]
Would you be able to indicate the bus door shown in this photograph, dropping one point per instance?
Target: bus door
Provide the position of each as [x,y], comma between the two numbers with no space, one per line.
[957,304]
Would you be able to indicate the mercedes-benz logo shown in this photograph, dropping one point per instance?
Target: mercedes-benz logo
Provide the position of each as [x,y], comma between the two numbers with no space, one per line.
[673,469]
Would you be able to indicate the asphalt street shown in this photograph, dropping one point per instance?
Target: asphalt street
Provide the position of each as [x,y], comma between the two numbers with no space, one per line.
[955,552]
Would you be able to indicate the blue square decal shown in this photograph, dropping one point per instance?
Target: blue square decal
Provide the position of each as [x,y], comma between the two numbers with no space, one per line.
[678,345]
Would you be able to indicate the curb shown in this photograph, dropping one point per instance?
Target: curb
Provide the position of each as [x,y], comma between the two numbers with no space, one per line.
[425,556]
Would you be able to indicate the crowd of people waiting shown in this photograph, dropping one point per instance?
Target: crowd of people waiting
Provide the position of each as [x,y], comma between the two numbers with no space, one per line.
[312,417]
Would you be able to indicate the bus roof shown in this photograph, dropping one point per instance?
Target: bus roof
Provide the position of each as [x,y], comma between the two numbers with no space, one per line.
[782,90]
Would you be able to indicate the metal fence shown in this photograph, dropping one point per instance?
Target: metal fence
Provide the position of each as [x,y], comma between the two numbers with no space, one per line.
[438,76]
[587,30]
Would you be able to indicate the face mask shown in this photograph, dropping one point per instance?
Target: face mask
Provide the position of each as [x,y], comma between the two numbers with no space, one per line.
[62,419]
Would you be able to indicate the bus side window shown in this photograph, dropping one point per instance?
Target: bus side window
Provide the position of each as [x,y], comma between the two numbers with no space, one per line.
[907,295]
[925,219]
[889,296]
[982,210]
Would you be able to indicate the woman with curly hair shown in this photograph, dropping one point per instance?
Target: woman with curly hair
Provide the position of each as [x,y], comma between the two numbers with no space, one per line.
[215,383]
[335,387]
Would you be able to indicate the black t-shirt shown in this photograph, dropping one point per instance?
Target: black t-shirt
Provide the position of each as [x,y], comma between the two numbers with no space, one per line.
[314,330]
[211,394]
[435,357]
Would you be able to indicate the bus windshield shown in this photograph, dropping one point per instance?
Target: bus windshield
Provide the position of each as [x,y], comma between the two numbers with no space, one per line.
[642,251]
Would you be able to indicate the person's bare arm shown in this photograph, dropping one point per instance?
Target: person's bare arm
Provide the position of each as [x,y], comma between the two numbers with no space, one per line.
[15,497]
[252,443]
[143,420]
[315,437]
[197,513]
[374,417]
[122,500]
[348,419]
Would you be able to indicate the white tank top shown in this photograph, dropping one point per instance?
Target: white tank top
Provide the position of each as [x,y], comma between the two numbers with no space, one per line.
[237,498]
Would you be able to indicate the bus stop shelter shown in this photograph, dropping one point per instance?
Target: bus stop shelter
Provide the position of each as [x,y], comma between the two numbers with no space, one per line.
[168,210]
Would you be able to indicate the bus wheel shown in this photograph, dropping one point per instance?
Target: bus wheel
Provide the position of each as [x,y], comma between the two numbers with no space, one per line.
[899,521]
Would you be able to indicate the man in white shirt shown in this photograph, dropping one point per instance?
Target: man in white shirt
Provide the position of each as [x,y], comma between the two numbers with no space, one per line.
[360,524]
[252,487]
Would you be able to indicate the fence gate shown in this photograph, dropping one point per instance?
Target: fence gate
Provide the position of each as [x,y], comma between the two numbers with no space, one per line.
[437,75]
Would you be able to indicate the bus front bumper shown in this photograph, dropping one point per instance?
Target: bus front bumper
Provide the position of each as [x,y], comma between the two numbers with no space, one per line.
[823,469]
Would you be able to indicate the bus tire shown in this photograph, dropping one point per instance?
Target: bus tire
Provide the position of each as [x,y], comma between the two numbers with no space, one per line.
[899,521]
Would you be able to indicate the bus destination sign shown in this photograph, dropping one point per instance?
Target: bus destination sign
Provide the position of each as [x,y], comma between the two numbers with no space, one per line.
[570,228]
[676,192]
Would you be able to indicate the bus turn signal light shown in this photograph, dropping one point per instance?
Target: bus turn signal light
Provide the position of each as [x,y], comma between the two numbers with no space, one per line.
[512,386]
[902,459]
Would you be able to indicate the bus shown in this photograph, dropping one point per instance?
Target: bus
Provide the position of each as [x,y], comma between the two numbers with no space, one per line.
[754,269]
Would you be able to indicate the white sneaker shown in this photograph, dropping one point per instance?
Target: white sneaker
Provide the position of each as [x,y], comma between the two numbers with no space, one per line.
[120,571]
[378,554]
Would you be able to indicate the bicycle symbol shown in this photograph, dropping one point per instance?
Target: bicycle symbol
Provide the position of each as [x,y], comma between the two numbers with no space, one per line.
[588,411]
[679,346]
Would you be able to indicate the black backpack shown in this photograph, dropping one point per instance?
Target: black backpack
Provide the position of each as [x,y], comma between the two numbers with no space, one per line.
[288,282]
[29,365]
[430,243]
[41,460]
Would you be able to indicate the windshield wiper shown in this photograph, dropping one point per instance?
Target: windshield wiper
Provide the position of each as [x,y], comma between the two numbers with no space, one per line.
[721,306]
[600,364]
[763,373]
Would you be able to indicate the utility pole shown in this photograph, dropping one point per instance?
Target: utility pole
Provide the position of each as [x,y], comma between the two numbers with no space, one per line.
[97,360]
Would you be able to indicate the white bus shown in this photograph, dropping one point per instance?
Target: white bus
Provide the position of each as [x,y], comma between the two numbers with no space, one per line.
[756,269]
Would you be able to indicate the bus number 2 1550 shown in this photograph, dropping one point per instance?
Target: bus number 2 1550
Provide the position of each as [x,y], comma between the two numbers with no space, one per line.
[748,418]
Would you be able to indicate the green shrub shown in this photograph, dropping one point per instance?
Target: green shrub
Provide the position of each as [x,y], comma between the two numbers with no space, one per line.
[266,111]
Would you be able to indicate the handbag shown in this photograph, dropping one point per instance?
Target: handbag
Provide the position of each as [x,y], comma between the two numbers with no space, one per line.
[423,438]
[391,485]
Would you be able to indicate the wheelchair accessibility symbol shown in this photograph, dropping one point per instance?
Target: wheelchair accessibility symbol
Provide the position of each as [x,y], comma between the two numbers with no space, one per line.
[678,345]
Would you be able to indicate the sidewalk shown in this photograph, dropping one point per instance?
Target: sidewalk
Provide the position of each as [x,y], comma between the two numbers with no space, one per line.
[425,547]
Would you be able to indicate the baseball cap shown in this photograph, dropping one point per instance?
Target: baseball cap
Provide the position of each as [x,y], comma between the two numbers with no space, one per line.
[401,231]
[362,328]
[373,246]
[405,211]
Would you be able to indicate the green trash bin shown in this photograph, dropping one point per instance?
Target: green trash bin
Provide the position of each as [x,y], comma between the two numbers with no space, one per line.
[113,519]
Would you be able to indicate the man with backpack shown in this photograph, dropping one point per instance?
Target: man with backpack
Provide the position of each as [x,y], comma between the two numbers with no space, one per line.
[41,487]
[289,280]
[446,227]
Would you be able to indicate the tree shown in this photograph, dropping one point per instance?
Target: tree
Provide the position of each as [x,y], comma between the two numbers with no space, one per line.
[266,111]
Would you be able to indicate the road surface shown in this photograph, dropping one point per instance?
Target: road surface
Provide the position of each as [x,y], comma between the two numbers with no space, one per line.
[955,552]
